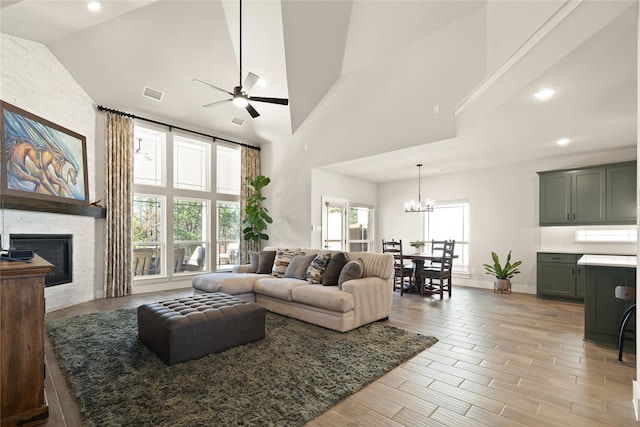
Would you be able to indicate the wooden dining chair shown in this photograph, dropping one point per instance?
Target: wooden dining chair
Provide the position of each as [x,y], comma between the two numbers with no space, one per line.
[436,278]
[403,273]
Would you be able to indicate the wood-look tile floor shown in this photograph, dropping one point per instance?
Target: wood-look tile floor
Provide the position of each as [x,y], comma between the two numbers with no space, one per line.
[501,360]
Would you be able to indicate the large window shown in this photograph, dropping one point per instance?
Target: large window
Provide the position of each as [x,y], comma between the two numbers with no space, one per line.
[450,220]
[173,222]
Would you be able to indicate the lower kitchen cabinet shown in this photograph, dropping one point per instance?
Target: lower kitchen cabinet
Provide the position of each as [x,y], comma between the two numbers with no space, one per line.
[559,276]
[602,310]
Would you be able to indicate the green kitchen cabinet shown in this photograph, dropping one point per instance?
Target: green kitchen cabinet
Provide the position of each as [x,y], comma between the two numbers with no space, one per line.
[602,310]
[621,194]
[559,276]
[595,195]
[573,197]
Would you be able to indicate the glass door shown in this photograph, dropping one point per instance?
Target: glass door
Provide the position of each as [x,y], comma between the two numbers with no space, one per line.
[333,224]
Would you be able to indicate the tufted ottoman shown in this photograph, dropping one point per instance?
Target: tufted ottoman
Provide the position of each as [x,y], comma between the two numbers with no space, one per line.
[188,328]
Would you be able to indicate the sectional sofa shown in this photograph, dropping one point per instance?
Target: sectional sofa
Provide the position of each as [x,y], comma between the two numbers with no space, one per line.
[356,301]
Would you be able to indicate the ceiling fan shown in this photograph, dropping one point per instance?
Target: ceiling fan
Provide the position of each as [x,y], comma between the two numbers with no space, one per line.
[240,95]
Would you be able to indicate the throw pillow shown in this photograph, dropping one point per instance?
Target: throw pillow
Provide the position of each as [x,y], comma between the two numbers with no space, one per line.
[352,270]
[332,273]
[254,261]
[280,264]
[317,267]
[298,266]
[265,262]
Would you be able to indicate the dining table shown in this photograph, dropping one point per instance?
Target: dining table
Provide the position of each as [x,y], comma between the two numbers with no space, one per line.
[418,263]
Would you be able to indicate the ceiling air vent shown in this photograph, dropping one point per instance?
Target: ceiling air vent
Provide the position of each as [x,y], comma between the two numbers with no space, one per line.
[154,94]
[237,121]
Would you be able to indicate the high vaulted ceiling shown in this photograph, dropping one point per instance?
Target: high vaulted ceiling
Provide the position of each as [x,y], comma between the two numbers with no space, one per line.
[315,52]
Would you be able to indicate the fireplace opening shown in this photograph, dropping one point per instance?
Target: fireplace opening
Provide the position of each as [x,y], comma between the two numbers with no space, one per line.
[55,248]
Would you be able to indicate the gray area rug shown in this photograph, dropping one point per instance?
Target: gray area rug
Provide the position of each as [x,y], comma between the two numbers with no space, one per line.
[294,374]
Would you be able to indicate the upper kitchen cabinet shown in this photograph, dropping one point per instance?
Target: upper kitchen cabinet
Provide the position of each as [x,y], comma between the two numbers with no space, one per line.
[621,194]
[589,196]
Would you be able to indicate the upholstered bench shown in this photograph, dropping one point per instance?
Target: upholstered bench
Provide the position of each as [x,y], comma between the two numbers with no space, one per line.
[187,328]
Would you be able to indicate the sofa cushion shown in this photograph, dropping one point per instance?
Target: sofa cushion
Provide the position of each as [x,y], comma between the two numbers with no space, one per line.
[229,283]
[278,287]
[327,297]
[265,263]
[352,270]
[317,267]
[297,268]
[332,273]
[282,260]
[254,261]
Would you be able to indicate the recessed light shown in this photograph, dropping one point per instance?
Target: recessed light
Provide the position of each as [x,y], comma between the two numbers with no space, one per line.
[544,94]
[563,141]
[93,6]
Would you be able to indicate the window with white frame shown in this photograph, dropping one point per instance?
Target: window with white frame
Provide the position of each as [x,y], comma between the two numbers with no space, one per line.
[173,223]
[450,221]
[360,228]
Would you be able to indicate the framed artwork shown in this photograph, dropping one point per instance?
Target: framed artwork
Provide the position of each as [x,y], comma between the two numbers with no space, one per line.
[41,160]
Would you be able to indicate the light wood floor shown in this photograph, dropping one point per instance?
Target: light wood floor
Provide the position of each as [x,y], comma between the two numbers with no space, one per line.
[501,360]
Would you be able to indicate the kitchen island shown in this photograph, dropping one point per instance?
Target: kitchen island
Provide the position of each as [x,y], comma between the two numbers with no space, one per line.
[602,310]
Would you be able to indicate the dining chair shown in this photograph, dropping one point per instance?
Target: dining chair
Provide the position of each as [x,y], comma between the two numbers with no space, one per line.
[436,278]
[629,294]
[403,273]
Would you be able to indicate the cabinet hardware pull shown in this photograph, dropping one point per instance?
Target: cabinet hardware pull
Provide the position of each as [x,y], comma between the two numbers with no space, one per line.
[567,216]
[574,216]
[572,271]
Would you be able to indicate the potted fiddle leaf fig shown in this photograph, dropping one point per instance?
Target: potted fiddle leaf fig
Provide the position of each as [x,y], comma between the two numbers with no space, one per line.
[257,216]
[502,273]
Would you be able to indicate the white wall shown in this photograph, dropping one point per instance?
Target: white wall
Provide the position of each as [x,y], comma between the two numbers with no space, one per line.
[510,23]
[327,184]
[503,213]
[32,79]
[373,110]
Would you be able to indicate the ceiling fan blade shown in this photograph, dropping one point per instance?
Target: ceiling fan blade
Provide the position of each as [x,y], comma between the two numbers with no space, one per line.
[281,101]
[212,86]
[250,82]
[216,103]
[252,111]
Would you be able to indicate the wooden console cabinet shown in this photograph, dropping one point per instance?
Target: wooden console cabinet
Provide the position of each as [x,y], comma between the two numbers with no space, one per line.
[22,397]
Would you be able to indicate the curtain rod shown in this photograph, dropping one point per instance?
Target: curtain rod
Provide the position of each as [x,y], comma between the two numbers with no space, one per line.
[171,127]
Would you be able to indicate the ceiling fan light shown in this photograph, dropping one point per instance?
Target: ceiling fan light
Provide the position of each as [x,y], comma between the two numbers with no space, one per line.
[240,101]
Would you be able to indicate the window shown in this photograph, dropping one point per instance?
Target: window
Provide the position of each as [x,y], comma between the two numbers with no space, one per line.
[173,223]
[190,234]
[450,220]
[148,157]
[191,164]
[360,218]
[148,238]
[228,234]
[228,167]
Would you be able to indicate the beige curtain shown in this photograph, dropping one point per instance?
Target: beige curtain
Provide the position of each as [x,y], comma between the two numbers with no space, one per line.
[250,159]
[118,200]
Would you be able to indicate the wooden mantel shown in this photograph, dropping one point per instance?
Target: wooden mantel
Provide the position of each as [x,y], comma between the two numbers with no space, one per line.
[37,205]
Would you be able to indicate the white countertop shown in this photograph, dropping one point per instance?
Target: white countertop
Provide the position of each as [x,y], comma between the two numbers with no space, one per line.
[609,261]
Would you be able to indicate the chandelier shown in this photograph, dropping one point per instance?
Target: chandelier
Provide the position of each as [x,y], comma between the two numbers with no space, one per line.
[412,206]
